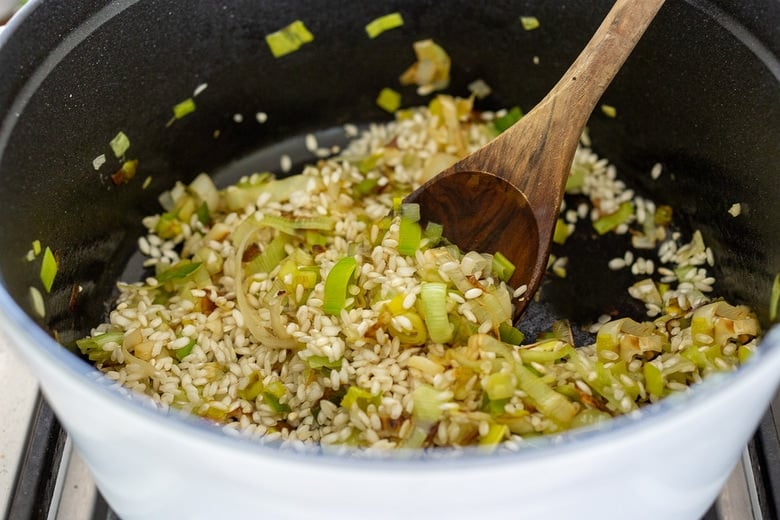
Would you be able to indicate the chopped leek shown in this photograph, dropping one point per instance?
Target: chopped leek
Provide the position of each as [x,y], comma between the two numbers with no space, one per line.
[431,71]
[337,284]
[320,362]
[360,397]
[384,23]
[609,111]
[774,298]
[510,334]
[185,351]
[178,271]
[184,108]
[434,303]
[49,269]
[496,433]
[654,379]
[409,236]
[500,385]
[511,117]
[272,397]
[609,222]
[389,100]
[428,404]
[289,39]
[433,232]
[271,256]
[502,267]
[529,23]
[550,402]
[561,232]
[120,144]
[92,347]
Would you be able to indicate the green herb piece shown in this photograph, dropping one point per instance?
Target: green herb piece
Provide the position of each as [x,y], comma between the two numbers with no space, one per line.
[48,269]
[119,144]
[774,298]
[529,23]
[384,23]
[389,100]
[36,247]
[289,39]
[337,284]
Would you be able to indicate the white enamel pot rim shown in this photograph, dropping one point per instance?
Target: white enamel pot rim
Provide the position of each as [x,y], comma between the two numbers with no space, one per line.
[762,369]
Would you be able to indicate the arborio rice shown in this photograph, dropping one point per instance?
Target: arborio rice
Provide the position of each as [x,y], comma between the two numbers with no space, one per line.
[297,309]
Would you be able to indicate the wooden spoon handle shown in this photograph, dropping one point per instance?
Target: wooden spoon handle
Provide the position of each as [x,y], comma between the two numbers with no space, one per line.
[535,154]
[583,84]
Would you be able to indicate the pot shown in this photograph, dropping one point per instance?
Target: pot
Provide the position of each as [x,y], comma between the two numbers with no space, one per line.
[699,94]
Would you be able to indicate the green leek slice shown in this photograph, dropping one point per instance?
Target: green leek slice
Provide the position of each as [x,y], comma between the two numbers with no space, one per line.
[433,296]
[48,269]
[502,267]
[289,39]
[184,351]
[389,100]
[384,23]
[609,222]
[337,284]
[184,108]
[774,299]
[119,144]
[529,23]
[510,334]
[511,117]
[500,385]
[551,403]
[360,397]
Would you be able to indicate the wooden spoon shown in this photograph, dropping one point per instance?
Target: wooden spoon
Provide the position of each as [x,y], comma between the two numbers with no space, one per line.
[507,195]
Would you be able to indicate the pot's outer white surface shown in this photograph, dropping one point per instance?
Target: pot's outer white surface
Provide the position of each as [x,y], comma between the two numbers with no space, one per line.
[669,463]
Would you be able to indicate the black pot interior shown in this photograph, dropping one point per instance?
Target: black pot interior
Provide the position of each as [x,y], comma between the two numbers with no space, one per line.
[698,97]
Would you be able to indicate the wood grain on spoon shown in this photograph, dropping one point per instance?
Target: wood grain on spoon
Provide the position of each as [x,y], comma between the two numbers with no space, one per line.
[506,196]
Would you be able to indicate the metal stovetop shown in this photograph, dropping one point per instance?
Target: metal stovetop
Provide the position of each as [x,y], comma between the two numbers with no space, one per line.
[43,477]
